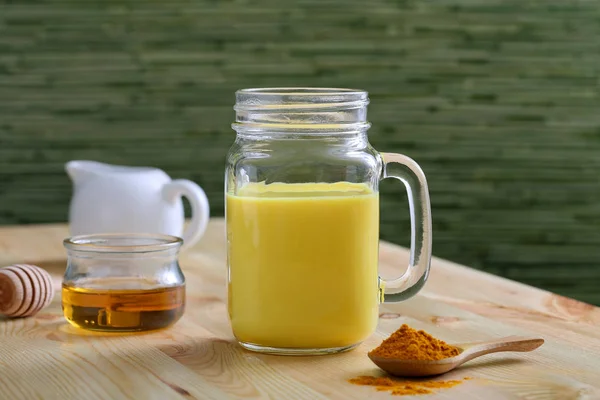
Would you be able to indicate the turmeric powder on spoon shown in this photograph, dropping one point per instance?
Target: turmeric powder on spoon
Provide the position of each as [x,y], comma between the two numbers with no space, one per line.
[409,344]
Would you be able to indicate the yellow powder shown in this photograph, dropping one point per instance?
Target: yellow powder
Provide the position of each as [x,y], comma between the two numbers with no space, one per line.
[403,387]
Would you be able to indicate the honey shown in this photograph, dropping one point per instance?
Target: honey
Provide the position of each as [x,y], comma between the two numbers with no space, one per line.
[117,305]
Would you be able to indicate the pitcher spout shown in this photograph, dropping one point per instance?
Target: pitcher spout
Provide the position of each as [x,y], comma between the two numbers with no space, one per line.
[81,170]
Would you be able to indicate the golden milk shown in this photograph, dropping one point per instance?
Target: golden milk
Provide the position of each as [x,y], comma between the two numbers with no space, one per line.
[303,264]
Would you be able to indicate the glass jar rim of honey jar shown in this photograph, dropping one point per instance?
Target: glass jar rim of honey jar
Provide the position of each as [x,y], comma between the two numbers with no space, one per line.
[123,281]
[122,243]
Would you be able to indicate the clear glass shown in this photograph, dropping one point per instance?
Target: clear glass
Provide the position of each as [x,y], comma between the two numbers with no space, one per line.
[302,211]
[123,282]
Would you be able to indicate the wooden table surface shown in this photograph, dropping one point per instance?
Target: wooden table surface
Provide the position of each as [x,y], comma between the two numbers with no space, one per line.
[44,358]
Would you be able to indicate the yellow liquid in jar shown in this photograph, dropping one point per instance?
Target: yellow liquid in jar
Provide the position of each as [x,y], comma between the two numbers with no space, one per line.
[303,264]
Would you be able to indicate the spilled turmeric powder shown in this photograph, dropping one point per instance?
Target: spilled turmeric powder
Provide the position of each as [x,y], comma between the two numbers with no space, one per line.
[403,387]
[409,344]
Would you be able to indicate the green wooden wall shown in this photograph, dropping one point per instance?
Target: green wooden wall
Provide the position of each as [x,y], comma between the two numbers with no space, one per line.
[497,100]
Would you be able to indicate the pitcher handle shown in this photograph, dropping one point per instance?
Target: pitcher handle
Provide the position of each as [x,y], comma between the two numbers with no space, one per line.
[199,204]
[405,169]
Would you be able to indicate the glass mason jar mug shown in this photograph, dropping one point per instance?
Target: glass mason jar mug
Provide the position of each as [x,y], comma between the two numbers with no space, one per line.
[302,211]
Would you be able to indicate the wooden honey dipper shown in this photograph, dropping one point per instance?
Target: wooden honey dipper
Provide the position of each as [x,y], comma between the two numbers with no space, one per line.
[24,290]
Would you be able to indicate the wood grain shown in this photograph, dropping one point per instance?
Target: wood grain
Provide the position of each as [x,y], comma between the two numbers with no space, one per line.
[496,99]
[44,357]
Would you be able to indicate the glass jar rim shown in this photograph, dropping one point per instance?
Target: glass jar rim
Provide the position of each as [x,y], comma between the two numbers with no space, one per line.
[300,91]
[312,111]
[281,98]
[122,242]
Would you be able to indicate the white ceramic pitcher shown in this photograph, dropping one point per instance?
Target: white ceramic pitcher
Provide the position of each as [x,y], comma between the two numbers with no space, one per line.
[119,199]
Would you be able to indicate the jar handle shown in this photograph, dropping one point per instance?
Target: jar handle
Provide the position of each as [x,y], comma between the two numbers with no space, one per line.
[408,171]
[199,205]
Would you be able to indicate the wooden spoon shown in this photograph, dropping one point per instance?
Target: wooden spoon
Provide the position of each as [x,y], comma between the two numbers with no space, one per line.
[468,351]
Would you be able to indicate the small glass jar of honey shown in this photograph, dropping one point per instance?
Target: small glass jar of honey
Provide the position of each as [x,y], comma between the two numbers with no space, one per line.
[123,282]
